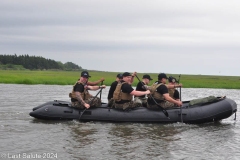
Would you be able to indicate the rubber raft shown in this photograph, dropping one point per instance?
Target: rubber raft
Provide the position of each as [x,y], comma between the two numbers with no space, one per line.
[196,113]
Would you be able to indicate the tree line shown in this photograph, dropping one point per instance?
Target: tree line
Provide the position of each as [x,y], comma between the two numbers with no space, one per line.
[36,63]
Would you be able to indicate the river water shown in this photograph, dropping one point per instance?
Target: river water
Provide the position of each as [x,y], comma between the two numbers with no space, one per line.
[23,137]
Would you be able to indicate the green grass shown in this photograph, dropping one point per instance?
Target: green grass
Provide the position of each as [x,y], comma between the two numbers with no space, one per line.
[70,77]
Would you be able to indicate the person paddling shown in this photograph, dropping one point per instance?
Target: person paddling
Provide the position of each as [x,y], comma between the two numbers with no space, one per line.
[159,91]
[174,93]
[123,94]
[80,97]
[142,86]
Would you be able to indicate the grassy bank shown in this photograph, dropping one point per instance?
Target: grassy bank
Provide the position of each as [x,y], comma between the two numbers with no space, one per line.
[70,77]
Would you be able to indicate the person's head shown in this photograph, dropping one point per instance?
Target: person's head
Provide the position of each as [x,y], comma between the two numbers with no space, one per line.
[172,80]
[162,77]
[119,77]
[146,78]
[127,77]
[84,76]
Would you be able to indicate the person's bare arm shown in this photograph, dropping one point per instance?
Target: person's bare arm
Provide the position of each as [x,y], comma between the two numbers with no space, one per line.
[133,75]
[170,86]
[139,93]
[79,98]
[95,82]
[96,87]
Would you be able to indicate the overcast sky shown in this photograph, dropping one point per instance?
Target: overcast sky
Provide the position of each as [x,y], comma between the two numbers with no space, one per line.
[174,36]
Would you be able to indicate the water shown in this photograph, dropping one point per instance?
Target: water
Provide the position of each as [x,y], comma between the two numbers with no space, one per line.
[23,137]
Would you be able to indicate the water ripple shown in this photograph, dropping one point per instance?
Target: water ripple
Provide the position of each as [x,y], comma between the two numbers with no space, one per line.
[20,133]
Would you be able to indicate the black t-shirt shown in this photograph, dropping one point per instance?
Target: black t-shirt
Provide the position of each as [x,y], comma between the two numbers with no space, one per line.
[127,88]
[176,94]
[77,88]
[140,88]
[112,89]
[162,89]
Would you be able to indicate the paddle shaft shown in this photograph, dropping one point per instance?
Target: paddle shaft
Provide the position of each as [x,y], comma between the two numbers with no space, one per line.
[101,92]
[180,98]
[180,88]
[89,104]
[163,110]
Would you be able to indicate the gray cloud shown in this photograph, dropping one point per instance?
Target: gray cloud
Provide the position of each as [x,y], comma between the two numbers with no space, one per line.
[146,36]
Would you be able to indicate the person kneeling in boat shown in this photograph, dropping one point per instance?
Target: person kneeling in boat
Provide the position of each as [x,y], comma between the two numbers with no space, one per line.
[123,94]
[159,91]
[142,86]
[172,83]
[80,97]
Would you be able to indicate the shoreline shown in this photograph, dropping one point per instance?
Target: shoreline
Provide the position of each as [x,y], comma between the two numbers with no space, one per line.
[70,77]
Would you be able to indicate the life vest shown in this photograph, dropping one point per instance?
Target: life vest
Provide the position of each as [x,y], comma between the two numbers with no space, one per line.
[157,96]
[118,95]
[171,92]
[85,94]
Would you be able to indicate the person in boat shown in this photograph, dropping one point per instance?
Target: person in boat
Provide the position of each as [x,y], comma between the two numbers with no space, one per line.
[80,97]
[172,91]
[142,86]
[159,91]
[123,94]
[112,89]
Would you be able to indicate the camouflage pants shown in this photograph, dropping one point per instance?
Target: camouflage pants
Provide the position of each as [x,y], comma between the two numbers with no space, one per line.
[111,103]
[94,103]
[164,104]
[141,101]
[127,105]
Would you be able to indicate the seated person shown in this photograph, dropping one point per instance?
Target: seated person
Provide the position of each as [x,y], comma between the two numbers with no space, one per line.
[124,92]
[142,86]
[80,97]
[159,91]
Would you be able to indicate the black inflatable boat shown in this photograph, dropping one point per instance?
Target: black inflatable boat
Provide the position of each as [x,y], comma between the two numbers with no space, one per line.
[198,113]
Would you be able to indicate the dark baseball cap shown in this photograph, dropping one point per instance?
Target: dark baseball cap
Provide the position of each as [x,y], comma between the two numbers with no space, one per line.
[125,74]
[147,76]
[172,79]
[119,76]
[85,74]
[162,75]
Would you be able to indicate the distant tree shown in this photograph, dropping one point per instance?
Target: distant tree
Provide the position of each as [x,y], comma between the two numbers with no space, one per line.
[71,66]
[35,62]
[60,64]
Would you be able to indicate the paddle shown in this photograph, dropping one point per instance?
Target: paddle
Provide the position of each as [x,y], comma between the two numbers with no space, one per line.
[180,98]
[89,104]
[101,92]
[180,88]
[163,110]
